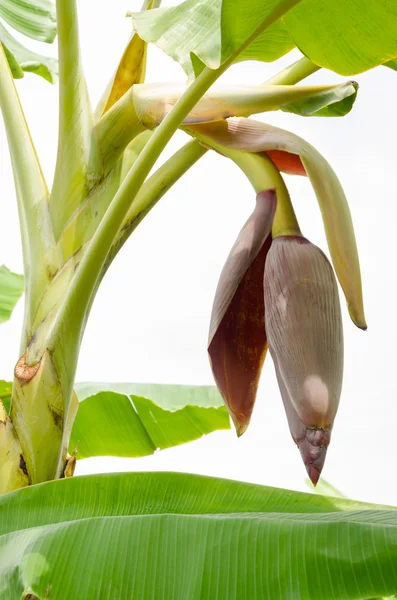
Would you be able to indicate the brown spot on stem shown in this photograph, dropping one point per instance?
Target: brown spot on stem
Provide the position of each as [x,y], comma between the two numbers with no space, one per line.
[31,597]
[57,416]
[24,372]
[22,465]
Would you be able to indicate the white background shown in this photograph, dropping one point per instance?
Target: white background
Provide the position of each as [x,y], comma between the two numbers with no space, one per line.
[150,319]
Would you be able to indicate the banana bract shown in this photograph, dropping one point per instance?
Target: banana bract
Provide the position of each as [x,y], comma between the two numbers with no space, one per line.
[280,145]
[281,294]
[237,340]
[304,331]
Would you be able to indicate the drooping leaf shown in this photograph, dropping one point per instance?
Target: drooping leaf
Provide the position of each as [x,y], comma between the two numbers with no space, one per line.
[136,419]
[337,102]
[255,136]
[187,536]
[11,289]
[152,102]
[34,18]
[198,32]
[20,57]
[346,36]
[237,342]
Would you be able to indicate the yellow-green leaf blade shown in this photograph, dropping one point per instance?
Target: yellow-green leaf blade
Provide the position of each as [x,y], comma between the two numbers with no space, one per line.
[346,36]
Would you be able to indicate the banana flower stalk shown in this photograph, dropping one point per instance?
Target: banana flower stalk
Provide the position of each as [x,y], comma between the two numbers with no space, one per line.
[279,293]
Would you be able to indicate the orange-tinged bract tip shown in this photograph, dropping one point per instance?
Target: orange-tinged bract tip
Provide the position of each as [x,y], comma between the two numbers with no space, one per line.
[237,341]
[304,331]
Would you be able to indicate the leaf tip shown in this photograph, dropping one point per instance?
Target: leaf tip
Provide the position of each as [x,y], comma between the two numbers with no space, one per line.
[358,317]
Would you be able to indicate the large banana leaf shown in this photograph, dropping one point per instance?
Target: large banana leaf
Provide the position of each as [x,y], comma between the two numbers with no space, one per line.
[129,419]
[11,289]
[198,32]
[347,36]
[187,537]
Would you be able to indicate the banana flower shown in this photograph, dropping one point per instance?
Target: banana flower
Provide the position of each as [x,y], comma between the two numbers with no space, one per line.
[279,293]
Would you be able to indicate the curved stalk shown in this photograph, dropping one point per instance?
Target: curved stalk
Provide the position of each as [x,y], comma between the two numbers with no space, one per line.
[145,106]
[263,174]
[294,73]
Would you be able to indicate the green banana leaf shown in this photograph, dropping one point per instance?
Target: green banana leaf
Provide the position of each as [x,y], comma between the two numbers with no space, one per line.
[188,537]
[23,60]
[35,19]
[210,31]
[324,489]
[133,420]
[11,289]
[346,36]
[207,32]
[136,419]
[392,64]
[337,102]
[153,102]
[5,394]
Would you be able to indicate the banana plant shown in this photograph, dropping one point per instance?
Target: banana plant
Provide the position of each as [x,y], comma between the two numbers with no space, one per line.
[101,191]
[277,291]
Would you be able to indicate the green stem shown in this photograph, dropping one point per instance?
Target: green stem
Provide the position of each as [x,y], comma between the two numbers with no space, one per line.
[294,73]
[5,395]
[78,165]
[116,129]
[263,174]
[38,245]
[153,190]
[74,311]
[84,284]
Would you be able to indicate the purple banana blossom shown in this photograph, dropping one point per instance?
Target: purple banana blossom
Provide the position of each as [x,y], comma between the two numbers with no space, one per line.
[280,293]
